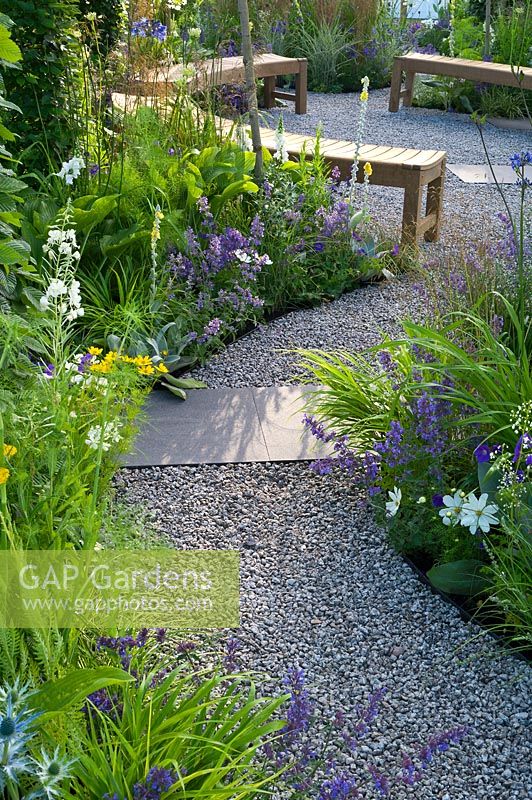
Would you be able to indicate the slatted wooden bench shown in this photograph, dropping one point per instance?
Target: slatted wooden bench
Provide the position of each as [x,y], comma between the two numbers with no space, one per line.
[405,168]
[477,71]
[231,70]
[400,167]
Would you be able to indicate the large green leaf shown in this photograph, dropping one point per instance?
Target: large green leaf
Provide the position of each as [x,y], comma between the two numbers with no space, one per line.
[14,251]
[117,243]
[9,51]
[459,577]
[55,697]
[87,218]
[11,185]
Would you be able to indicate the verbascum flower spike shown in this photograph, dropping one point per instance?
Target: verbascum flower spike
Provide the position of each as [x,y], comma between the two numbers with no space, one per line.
[368,171]
[358,140]
[155,236]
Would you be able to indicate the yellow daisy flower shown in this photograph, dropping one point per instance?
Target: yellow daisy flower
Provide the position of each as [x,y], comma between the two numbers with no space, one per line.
[95,351]
[10,450]
[162,368]
[4,475]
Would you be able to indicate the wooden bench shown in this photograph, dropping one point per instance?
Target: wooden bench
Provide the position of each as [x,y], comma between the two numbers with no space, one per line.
[231,70]
[477,71]
[401,167]
[405,168]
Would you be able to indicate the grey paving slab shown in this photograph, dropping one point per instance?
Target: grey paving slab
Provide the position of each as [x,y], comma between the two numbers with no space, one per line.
[280,410]
[481,173]
[213,426]
[511,124]
[221,426]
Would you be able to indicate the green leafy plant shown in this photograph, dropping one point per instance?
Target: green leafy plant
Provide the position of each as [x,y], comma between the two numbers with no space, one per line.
[14,251]
[44,89]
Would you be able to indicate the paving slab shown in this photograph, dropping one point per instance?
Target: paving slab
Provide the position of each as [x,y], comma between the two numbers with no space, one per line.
[481,173]
[222,426]
[280,412]
[521,124]
[212,426]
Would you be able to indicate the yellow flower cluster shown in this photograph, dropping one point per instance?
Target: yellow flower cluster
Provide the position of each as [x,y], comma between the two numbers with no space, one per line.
[9,450]
[144,364]
[4,475]
[368,169]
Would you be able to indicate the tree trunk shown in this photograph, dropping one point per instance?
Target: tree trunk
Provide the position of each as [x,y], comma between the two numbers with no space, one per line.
[251,87]
[487,30]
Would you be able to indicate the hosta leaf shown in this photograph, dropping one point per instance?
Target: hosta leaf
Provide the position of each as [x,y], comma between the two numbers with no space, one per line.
[9,51]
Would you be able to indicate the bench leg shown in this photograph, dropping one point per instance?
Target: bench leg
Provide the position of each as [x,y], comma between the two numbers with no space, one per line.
[395,88]
[435,205]
[412,209]
[269,92]
[301,87]
[409,89]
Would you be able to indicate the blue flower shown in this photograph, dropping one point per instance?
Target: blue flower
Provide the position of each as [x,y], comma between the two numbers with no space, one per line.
[437,500]
[482,453]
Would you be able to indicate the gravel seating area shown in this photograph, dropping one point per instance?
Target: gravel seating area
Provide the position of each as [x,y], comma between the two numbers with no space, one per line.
[469,209]
[321,587]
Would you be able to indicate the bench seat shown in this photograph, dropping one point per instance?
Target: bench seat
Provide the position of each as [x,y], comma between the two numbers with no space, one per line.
[230,70]
[477,71]
[402,167]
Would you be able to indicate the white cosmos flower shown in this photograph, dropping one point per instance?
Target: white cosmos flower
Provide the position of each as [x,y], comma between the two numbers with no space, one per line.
[453,508]
[477,513]
[392,506]
[243,256]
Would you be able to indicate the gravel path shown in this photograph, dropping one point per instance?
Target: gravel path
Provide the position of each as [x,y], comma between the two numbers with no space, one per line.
[352,322]
[321,588]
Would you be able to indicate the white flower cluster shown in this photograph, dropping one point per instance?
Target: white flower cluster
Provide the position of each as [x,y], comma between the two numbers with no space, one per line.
[281,153]
[103,436]
[82,375]
[62,254]
[469,511]
[71,170]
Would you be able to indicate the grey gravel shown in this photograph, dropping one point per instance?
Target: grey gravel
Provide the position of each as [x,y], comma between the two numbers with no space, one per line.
[321,588]
[353,322]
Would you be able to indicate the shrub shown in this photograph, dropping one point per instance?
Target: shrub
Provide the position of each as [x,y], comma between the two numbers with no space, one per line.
[44,89]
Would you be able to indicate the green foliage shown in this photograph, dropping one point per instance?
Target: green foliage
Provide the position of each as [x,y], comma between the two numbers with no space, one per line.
[325,46]
[56,697]
[509,572]
[513,35]
[490,378]
[44,88]
[14,251]
[459,577]
[206,726]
